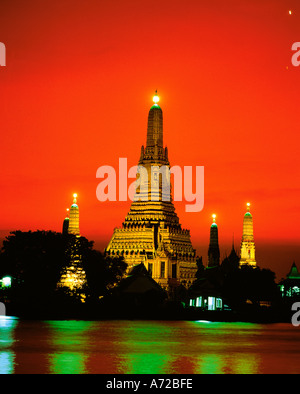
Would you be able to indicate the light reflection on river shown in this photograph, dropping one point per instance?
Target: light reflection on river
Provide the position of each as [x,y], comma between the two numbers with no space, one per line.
[105,347]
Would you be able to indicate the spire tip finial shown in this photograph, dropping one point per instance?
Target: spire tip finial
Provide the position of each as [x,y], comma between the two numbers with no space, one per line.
[155,97]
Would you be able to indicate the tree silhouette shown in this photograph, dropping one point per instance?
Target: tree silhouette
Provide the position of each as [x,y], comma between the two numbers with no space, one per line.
[102,273]
[249,283]
[36,260]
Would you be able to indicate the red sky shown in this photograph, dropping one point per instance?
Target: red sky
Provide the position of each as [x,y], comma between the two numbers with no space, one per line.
[77,88]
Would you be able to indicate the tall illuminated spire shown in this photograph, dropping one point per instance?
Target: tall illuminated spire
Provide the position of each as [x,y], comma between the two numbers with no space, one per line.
[155,126]
[213,250]
[247,244]
[73,276]
[151,233]
[154,155]
[74,217]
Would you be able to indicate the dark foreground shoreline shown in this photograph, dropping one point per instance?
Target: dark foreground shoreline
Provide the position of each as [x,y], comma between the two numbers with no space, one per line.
[82,312]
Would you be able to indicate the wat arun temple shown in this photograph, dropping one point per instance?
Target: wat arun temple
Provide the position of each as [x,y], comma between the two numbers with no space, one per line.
[151,233]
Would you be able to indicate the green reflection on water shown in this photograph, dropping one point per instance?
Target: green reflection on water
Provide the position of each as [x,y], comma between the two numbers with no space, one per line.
[185,347]
[142,346]
[7,356]
[69,341]
[225,347]
[67,363]
[146,363]
[147,347]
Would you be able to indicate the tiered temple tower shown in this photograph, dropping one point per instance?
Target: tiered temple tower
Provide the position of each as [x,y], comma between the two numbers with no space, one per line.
[247,244]
[73,276]
[74,218]
[213,250]
[151,233]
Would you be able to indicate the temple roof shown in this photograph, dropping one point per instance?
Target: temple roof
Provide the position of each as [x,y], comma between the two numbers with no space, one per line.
[294,273]
[139,281]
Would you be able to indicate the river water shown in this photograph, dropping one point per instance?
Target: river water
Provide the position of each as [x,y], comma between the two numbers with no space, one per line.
[147,347]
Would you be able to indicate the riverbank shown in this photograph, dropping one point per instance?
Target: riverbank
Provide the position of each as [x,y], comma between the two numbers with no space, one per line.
[171,311]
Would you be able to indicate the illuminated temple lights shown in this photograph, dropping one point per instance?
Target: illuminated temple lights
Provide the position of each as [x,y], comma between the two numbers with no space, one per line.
[156,98]
[151,233]
[74,217]
[73,276]
[213,250]
[247,244]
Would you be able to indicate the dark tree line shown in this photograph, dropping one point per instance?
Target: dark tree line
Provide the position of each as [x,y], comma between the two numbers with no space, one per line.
[250,284]
[35,261]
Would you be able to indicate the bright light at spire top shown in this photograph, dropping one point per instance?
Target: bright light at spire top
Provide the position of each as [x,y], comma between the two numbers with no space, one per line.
[248,206]
[214,217]
[155,98]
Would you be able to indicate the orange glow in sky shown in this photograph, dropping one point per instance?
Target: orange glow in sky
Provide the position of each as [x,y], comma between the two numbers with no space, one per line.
[75,95]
